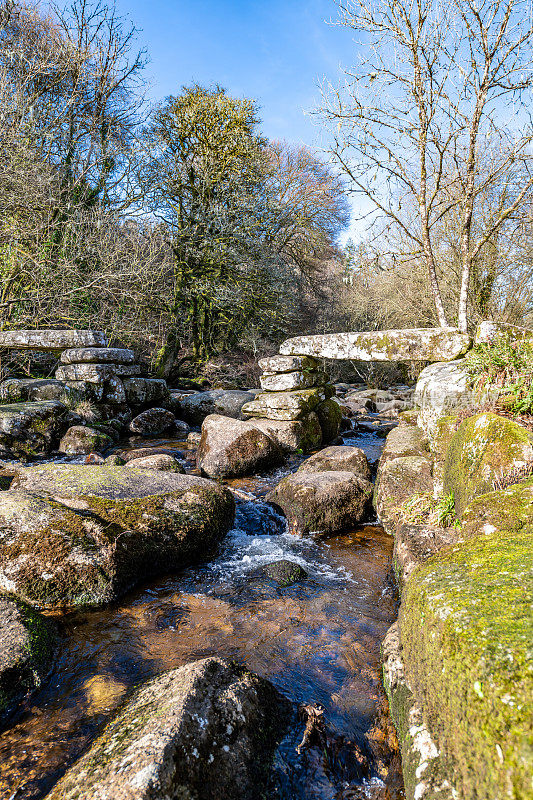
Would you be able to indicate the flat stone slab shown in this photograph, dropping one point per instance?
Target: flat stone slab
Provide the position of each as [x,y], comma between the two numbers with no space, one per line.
[409,344]
[285,405]
[98,355]
[96,373]
[51,339]
[287,381]
[287,363]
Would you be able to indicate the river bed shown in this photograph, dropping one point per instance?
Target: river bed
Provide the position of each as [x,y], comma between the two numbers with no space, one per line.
[318,641]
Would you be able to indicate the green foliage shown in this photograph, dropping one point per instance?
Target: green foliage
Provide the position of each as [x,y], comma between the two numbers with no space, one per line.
[507,365]
[423,509]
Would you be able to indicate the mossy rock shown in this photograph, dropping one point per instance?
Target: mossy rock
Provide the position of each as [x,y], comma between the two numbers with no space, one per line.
[397,480]
[322,503]
[79,535]
[329,415]
[484,448]
[206,730]
[466,629]
[27,643]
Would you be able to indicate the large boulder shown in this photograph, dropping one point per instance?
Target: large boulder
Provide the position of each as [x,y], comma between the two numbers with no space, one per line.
[322,503]
[194,408]
[30,429]
[343,458]
[489,331]
[83,535]
[414,344]
[141,391]
[296,436]
[27,643]
[80,439]
[329,415]
[444,389]
[486,448]
[465,629]
[152,422]
[286,405]
[397,480]
[414,544]
[206,731]
[231,448]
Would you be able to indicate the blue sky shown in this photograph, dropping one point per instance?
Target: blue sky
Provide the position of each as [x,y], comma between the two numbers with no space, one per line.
[275,52]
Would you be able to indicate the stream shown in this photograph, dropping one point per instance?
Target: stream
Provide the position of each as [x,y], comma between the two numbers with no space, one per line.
[317,640]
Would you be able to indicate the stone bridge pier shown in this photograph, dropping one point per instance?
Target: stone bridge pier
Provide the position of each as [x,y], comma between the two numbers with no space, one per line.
[295,389]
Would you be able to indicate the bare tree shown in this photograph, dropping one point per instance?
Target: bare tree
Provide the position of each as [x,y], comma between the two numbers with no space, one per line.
[437,88]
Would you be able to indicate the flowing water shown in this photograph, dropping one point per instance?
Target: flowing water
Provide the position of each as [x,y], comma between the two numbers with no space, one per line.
[318,641]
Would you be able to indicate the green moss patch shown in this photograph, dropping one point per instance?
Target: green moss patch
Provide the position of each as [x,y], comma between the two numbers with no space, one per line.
[467,631]
[485,447]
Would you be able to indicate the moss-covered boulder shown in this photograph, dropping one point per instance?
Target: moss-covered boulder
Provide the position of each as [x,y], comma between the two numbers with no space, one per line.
[414,544]
[405,440]
[423,776]
[31,429]
[397,480]
[207,730]
[339,458]
[329,415]
[27,643]
[322,503]
[80,439]
[485,448]
[293,436]
[466,632]
[232,447]
[83,535]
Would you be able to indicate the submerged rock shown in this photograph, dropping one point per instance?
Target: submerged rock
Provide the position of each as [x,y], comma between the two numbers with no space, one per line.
[152,422]
[83,535]
[231,448]
[284,572]
[27,643]
[322,502]
[343,458]
[207,730]
[80,440]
